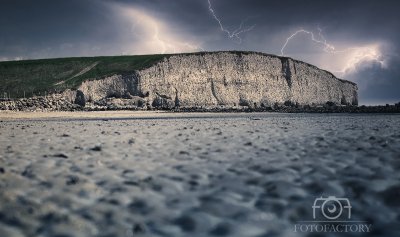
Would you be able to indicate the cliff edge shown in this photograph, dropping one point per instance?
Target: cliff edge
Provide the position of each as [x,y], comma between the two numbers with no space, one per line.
[221,79]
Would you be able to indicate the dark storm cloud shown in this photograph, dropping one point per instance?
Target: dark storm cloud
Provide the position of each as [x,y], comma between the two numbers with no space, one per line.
[378,84]
[44,21]
[44,28]
[365,18]
[36,26]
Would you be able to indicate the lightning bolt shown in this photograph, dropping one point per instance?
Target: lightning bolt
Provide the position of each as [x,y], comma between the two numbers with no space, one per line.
[234,33]
[331,49]
[135,25]
[162,43]
[188,45]
[358,58]
[165,45]
[174,45]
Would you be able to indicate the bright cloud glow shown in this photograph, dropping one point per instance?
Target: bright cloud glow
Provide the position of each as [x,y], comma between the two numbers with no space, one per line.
[153,36]
[342,61]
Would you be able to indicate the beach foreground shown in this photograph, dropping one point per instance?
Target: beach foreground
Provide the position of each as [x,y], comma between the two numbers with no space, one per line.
[122,173]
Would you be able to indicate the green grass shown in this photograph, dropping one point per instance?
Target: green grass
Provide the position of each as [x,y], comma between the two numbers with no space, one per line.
[39,76]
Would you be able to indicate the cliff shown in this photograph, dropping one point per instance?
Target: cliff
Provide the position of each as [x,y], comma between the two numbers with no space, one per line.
[222,79]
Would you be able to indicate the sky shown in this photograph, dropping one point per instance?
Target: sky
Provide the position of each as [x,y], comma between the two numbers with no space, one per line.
[356,40]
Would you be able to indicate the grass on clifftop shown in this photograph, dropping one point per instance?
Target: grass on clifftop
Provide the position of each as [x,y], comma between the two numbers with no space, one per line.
[42,75]
[19,79]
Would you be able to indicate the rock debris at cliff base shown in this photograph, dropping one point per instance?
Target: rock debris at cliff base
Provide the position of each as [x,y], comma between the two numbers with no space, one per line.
[57,103]
[222,175]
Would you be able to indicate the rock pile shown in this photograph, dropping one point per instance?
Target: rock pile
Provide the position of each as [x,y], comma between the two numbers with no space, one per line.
[328,108]
[40,103]
[57,103]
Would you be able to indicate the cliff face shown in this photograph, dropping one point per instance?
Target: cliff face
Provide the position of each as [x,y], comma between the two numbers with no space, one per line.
[225,78]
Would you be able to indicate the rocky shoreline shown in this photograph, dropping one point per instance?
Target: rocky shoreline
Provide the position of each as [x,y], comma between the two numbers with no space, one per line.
[56,102]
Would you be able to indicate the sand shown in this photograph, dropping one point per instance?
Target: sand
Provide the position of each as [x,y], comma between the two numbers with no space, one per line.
[121,173]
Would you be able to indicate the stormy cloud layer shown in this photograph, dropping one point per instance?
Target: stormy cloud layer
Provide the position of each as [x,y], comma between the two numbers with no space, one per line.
[362,35]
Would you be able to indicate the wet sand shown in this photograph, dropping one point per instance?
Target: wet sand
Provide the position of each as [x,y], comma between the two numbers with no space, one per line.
[122,173]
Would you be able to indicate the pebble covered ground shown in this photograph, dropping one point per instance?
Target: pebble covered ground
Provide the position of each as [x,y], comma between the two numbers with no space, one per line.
[217,175]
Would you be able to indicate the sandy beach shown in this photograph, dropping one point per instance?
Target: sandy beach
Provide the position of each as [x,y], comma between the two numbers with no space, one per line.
[132,173]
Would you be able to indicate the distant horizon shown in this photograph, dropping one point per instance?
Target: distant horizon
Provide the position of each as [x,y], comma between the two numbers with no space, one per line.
[378,102]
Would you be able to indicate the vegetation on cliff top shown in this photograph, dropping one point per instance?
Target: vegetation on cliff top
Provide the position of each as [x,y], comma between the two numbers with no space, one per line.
[46,75]
[19,79]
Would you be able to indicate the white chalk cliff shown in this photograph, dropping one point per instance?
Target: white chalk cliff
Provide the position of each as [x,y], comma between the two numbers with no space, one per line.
[225,78]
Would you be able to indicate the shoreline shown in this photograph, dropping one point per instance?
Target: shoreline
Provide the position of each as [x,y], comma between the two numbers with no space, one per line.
[155,114]
[53,103]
